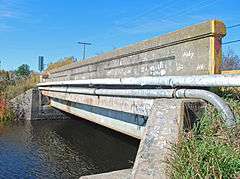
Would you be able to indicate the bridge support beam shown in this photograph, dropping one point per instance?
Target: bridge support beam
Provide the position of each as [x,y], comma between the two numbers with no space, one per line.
[108,119]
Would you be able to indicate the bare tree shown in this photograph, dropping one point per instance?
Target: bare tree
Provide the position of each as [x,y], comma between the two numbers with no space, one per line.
[231,61]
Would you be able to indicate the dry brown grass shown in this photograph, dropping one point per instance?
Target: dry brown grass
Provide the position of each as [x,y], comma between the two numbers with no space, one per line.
[20,87]
[9,91]
[60,63]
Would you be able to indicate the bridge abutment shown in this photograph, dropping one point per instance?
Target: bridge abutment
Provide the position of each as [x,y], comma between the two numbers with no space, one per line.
[32,105]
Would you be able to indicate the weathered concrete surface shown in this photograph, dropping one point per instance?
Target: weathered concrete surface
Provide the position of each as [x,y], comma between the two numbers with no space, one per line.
[162,130]
[193,50]
[140,106]
[28,106]
[121,174]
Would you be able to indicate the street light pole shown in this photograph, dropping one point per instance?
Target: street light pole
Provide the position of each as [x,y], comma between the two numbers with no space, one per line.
[84,48]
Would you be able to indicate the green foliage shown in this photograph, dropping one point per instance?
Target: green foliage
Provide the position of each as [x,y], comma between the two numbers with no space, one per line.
[8,116]
[210,150]
[23,71]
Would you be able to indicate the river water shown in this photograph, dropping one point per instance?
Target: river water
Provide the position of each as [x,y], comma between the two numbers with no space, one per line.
[62,149]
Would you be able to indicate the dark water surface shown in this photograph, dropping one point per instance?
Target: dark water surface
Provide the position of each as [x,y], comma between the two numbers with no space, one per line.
[62,149]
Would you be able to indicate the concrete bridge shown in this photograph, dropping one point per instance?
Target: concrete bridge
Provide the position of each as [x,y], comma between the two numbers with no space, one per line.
[145,90]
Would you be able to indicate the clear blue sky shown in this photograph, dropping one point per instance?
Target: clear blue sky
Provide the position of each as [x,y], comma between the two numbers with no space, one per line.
[29,28]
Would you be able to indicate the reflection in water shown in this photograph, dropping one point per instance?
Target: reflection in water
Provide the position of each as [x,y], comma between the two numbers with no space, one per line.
[62,149]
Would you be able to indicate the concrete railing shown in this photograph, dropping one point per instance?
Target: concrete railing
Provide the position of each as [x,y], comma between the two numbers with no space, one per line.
[193,50]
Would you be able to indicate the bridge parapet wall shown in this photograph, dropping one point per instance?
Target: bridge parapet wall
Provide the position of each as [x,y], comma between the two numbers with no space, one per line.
[193,50]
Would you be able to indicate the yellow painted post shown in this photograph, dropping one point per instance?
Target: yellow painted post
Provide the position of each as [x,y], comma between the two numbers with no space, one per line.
[219,31]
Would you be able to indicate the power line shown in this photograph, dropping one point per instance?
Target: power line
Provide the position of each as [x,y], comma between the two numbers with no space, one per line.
[184,11]
[197,6]
[149,11]
[233,26]
[230,42]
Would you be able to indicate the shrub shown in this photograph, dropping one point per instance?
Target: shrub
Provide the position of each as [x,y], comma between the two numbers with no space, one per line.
[11,90]
[6,114]
[18,87]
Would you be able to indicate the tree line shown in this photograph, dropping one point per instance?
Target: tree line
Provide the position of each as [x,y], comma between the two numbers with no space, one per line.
[231,61]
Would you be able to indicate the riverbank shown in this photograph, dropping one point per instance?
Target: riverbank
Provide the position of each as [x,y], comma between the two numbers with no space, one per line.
[8,91]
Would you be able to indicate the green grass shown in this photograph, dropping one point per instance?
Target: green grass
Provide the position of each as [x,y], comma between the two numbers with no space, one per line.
[210,149]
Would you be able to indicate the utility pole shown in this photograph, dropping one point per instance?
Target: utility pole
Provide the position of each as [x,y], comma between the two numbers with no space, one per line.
[84,48]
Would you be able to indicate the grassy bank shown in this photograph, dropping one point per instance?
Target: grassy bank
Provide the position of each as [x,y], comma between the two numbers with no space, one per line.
[11,89]
[210,149]
[20,86]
